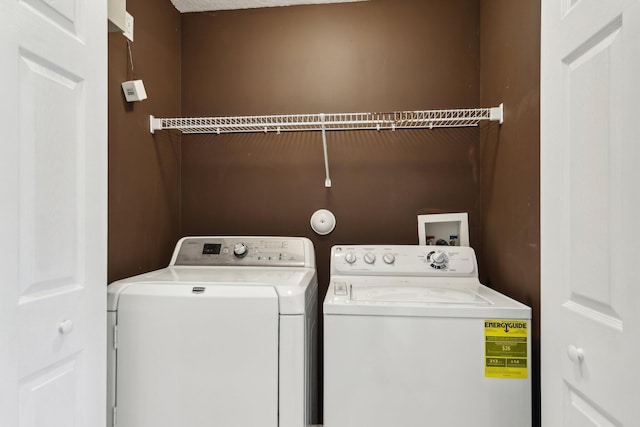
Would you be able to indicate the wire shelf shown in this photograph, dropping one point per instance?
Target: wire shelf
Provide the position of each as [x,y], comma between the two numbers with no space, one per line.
[425,119]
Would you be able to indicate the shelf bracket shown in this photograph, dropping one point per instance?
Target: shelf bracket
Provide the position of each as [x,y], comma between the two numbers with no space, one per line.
[154,124]
[497,113]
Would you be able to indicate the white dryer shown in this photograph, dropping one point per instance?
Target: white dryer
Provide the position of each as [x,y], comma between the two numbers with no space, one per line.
[223,336]
[411,338]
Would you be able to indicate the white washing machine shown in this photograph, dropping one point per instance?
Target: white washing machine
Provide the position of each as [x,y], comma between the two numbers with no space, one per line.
[224,336]
[411,338]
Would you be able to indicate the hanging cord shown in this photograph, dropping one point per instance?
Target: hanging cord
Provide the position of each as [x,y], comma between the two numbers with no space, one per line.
[130,73]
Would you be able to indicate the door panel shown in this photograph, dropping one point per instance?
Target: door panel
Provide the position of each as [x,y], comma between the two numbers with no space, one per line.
[50,191]
[589,209]
[53,158]
[66,14]
[48,397]
[582,412]
[590,73]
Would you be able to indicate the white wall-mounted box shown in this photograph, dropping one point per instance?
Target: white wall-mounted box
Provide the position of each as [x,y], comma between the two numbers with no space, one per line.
[134,90]
[451,229]
[117,14]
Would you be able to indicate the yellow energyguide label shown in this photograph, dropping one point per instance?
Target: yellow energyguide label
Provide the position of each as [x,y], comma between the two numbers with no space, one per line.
[505,348]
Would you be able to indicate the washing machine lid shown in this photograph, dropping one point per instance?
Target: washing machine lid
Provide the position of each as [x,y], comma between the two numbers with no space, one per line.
[295,286]
[421,298]
[414,294]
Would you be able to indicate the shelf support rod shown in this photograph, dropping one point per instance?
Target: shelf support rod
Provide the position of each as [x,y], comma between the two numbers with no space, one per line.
[327,181]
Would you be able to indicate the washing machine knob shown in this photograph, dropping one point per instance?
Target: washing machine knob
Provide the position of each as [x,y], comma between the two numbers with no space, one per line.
[240,250]
[389,258]
[350,257]
[369,257]
[439,259]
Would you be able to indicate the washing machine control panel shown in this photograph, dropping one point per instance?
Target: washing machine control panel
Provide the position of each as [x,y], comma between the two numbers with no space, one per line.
[247,251]
[408,260]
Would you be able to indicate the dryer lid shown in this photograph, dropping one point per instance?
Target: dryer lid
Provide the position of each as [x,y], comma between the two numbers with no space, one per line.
[295,287]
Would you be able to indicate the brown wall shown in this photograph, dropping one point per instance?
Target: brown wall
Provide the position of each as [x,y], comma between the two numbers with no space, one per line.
[370,56]
[379,55]
[510,158]
[144,171]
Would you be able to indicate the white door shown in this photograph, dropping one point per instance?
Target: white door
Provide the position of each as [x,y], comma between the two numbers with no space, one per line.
[590,212]
[53,206]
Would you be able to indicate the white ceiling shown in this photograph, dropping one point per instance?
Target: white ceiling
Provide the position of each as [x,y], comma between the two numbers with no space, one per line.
[206,5]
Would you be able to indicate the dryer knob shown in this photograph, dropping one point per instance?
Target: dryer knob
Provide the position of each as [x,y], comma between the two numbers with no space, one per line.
[389,258]
[369,257]
[240,250]
[350,257]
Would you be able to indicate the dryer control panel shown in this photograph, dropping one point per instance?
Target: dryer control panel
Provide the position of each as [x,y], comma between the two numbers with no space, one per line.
[244,251]
[404,260]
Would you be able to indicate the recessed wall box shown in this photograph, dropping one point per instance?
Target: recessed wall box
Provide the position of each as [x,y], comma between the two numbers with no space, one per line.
[117,14]
[444,229]
[134,90]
